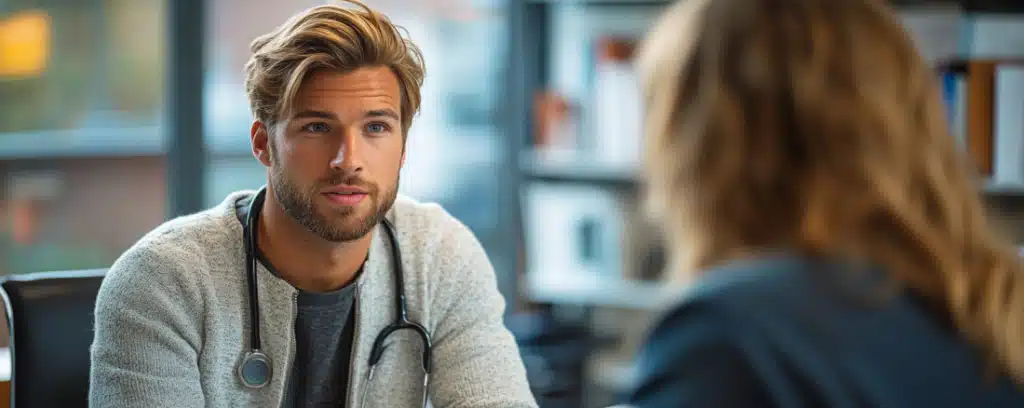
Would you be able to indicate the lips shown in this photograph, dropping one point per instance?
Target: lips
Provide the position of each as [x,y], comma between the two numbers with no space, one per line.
[345,189]
[345,194]
[346,198]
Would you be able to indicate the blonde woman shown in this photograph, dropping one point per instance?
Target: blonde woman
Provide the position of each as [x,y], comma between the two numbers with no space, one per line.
[798,153]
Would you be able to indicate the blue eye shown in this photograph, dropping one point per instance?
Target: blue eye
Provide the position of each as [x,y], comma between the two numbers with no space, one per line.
[377,128]
[317,127]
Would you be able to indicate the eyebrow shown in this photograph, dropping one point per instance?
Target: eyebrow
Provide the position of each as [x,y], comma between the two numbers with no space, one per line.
[314,114]
[386,113]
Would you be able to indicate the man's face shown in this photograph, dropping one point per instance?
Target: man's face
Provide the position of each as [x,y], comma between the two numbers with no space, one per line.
[335,161]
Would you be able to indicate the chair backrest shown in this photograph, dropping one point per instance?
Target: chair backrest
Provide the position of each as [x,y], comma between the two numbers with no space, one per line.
[50,315]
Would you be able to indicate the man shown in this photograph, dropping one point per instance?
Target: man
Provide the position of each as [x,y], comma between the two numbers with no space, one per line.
[333,92]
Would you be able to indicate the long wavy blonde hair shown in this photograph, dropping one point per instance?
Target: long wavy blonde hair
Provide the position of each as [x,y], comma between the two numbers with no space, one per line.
[815,125]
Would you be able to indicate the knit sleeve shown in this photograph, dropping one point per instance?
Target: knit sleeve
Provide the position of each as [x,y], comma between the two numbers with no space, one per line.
[148,333]
[476,360]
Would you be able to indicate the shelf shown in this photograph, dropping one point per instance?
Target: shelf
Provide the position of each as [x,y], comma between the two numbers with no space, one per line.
[1004,189]
[579,289]
[569,168]
[73,143]
[105,143]
[577,169]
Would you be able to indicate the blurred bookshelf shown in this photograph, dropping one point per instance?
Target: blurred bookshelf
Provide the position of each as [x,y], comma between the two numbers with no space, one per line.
[575,168]
[578,288]
[579,174]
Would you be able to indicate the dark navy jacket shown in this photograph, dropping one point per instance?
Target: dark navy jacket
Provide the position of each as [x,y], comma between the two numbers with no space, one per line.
[793,332]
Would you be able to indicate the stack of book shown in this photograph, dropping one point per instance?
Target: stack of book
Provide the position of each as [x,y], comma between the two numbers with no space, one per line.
[985,98]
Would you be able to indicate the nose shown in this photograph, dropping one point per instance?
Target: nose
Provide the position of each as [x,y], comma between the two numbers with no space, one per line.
[347,154]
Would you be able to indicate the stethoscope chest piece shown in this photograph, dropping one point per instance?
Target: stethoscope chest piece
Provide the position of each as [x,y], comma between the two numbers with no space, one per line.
[255,369]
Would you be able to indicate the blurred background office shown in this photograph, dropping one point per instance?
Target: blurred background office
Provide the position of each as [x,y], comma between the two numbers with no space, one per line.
[116,115]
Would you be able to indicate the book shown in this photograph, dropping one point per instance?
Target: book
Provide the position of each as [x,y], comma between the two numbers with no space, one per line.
[1008,158]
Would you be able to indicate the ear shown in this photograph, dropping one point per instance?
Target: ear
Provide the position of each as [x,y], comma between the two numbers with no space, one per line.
[260,137]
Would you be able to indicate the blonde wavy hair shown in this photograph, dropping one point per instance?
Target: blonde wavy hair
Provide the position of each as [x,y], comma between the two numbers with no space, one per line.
[815,125]
[330,37]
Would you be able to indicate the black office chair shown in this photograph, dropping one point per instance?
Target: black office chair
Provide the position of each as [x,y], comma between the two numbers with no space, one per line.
[50,315]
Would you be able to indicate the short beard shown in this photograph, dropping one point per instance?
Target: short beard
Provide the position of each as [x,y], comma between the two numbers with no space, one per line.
[299,205]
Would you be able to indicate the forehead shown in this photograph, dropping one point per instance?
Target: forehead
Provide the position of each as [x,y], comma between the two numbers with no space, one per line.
[363,88]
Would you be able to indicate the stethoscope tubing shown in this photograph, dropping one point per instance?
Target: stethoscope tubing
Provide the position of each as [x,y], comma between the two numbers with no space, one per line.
[255,359]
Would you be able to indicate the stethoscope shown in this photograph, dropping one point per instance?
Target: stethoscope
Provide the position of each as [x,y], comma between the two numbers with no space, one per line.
[255,367]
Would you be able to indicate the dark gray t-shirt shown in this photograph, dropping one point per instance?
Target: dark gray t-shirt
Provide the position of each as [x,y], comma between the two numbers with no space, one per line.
[323,346]
[323,343]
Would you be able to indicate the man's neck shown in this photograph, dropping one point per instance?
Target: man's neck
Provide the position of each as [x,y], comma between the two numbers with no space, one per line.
[302,258]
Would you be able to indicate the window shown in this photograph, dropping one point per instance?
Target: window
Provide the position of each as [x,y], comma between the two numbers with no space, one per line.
[81,96]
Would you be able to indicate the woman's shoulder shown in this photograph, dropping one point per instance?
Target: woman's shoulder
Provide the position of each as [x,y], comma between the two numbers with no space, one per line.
[767,281]
[808,330]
